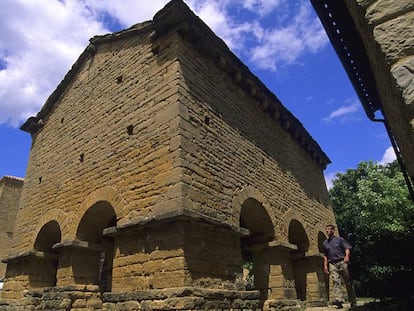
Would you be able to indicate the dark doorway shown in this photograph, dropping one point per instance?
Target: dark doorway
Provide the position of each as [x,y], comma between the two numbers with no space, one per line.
[255,218]
[43,271]
[93,264]
[297,236]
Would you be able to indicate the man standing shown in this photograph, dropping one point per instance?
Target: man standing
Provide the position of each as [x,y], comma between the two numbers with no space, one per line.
[335,262]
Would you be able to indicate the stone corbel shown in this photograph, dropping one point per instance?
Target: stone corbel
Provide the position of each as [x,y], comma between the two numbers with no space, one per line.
[78,244]
[272,245]
[31,254]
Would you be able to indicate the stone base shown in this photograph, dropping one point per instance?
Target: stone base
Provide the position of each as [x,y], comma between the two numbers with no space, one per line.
[285,305]
[316,303]
[88,298]
[184,298]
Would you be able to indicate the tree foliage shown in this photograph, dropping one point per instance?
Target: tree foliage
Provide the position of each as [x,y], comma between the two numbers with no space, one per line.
[374,212]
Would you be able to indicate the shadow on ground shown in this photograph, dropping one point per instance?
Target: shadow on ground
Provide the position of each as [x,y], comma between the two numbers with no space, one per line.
[395,304]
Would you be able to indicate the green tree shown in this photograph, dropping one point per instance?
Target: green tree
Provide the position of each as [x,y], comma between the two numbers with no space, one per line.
[374,212]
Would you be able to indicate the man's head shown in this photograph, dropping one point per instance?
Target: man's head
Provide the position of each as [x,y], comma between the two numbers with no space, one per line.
[330,230]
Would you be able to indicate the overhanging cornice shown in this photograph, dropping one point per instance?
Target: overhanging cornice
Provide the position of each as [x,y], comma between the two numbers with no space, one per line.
[348,44]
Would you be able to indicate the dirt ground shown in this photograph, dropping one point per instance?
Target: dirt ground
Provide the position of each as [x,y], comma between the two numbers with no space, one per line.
[396,304]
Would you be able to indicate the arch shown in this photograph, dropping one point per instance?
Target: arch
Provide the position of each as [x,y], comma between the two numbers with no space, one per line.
[48,236]
[92,263]
[249,192]
[287,219]
[106,194]
[42,272]
[297,235]
[98,217]
[51,216]
[254,217]
[320,238]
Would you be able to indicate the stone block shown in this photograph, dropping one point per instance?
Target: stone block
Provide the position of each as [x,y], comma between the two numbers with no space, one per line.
[395,37]
[403,73]
[383,10]
[168,279]
[127,306]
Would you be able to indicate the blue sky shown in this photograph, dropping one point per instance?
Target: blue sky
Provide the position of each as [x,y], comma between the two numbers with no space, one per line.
[281,41]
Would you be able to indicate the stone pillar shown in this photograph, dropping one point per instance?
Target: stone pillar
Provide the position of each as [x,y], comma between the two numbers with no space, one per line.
[29,270]
[273,274]
[79,263]
[281,279]
[316,281]
[17,277]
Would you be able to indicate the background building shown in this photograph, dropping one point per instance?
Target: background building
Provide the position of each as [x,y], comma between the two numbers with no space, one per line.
[10,191]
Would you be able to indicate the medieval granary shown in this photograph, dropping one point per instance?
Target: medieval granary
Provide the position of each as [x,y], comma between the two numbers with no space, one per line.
[159,168]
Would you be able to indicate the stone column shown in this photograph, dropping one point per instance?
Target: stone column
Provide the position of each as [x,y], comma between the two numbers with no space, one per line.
[32,269]
[79,262]
[280,284]
[316,288]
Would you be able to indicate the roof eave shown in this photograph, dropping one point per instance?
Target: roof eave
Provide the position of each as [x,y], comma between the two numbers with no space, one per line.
[348,44]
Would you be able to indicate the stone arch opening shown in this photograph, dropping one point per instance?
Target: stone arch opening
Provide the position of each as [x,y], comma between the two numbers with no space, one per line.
[254,218]
[321,238]
[297,236]
[43,272]
[93,256]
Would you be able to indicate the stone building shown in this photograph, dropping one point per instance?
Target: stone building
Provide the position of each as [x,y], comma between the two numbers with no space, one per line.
[375,41]
[160,166]
[10,191]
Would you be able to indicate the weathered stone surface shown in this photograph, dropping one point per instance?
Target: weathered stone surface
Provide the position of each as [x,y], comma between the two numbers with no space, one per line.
[396,37]
[403,73]
[365,3]
[392,67]
[128,305]
[383,10]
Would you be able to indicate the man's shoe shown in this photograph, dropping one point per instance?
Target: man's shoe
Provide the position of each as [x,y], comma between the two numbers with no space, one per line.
[353,304]
[338,304]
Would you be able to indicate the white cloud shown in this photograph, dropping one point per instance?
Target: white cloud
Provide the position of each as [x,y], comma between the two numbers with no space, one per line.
[342,112]
[329,178]
[40,40]
[262,7]
[127,12]
[388,156]
[285,44]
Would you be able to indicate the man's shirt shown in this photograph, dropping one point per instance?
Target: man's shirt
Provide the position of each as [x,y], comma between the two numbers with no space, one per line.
[335,249]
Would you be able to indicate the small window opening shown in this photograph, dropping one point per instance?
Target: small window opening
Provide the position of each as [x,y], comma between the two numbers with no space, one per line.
[130,129]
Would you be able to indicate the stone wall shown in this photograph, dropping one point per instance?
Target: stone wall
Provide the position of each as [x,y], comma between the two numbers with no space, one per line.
[111,136]
[10,191]
[87,298]
[387,29]
[231,144]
